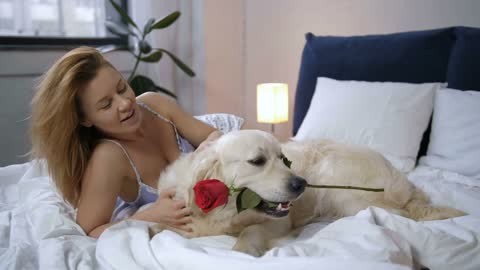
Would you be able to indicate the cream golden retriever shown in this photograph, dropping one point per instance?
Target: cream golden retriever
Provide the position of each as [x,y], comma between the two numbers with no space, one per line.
[254,159]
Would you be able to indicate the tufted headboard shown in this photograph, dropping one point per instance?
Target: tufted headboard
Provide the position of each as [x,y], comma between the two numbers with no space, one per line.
[441,55]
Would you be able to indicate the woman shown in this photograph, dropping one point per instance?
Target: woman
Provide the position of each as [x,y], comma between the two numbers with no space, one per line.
[105,148]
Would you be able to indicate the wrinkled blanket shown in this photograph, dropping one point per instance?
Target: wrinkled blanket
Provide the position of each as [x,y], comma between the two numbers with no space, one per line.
[38,231]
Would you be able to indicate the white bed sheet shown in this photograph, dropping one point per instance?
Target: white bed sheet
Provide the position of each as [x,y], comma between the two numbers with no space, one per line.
[38,231]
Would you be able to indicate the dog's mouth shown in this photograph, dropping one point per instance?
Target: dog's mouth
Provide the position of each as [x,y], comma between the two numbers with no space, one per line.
[275,209]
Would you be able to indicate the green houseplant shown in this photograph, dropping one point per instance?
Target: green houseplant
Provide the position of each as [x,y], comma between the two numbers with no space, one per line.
[143,51]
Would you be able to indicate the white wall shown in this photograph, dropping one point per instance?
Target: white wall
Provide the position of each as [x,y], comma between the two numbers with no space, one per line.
[19,73]
[271,39]
[224,28]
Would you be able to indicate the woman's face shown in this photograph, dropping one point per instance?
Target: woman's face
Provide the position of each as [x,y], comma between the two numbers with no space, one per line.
[108,103]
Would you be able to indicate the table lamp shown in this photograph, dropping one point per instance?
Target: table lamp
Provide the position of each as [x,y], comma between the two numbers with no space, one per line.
[272,103]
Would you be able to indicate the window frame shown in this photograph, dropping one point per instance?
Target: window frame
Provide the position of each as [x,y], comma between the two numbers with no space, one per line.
[39,43]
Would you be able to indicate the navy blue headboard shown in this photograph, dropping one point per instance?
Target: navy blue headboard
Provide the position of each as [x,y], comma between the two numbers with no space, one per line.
[440,55]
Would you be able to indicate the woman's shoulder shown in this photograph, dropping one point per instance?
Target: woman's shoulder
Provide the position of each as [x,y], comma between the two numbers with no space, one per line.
[108,155]
[107,167]
[159,103]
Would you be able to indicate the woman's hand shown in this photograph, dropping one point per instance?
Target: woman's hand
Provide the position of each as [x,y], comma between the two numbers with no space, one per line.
[205,144]
[209,140]
[168,211]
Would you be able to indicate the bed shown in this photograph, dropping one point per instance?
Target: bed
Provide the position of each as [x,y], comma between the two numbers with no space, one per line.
[38,231]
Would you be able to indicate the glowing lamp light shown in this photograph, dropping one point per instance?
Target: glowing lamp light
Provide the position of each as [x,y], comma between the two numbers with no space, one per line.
[272,103]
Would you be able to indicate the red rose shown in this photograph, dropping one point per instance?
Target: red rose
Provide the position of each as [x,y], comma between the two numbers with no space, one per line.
[210,193]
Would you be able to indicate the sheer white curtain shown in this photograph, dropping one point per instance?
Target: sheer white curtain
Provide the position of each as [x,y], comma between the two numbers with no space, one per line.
[184,39]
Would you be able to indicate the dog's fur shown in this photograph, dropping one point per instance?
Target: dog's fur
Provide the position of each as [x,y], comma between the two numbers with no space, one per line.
[231,159]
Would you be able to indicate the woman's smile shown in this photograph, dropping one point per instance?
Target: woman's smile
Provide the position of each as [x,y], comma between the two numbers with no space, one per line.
[130,118]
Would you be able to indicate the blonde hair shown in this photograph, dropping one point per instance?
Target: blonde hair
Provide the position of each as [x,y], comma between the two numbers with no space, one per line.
[56,133]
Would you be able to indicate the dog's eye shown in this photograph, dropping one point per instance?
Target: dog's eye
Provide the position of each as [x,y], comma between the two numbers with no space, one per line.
[258,161]
[286,161]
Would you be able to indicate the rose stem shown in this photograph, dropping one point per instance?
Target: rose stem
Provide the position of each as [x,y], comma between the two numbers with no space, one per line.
[346,187]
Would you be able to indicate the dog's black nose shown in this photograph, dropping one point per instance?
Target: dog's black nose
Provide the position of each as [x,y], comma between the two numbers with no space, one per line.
[296,184]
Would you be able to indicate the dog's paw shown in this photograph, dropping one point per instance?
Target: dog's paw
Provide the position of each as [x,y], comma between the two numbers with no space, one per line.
[157,228]
[444,213]
[249,247]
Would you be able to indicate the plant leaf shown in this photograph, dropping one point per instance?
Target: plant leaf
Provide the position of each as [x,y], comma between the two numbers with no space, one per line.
[165,91]
[110,48]
[119,29]
[148,26]
[123,14]
[179,63]
[165,22]
[249,199]
[141,84]
[144,46]
[116,28]
[153,57]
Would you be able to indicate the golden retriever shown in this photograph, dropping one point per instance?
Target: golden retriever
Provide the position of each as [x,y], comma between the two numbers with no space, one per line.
[254,159]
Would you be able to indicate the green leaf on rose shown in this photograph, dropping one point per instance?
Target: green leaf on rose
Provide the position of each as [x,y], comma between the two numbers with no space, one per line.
[247,199]
[250,199]
[272,204]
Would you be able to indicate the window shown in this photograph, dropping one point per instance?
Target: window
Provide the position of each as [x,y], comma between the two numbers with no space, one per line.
[57,22]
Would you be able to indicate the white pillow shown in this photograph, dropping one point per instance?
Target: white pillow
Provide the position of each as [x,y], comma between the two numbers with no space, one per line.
[385,116]
[222,121]
[455,137]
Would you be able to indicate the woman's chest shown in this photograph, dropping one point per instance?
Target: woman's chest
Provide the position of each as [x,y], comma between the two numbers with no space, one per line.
[156,152]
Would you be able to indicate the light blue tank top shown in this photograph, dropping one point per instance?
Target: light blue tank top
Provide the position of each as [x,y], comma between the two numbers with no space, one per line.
[146,194]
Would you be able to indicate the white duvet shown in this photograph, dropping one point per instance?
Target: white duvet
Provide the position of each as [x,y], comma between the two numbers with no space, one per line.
[38,231]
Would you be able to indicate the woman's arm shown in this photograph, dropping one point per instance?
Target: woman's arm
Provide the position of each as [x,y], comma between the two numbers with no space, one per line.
[165,210]
[101,185]
[107,171]
[192,129]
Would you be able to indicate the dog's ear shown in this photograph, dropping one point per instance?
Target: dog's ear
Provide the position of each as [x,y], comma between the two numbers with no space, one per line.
[206,164]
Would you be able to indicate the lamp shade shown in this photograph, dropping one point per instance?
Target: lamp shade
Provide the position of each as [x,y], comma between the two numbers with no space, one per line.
[272,103]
